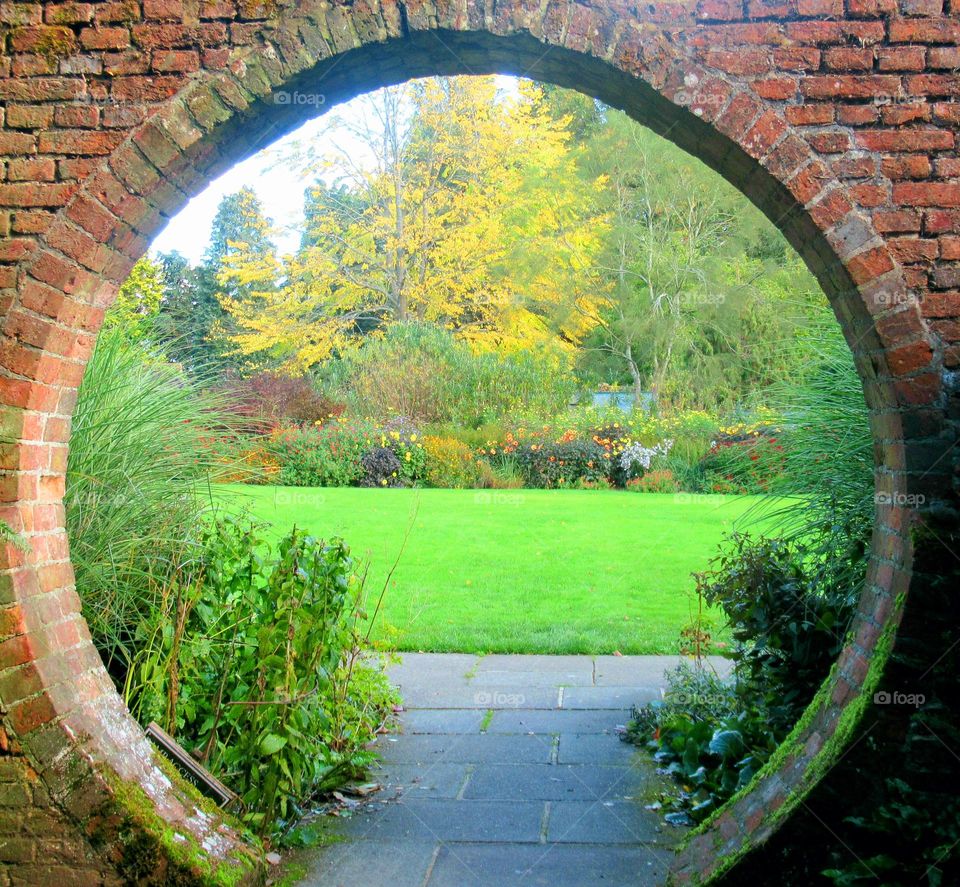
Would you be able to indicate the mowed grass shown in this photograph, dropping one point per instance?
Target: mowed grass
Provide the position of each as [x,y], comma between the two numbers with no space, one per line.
[517,571]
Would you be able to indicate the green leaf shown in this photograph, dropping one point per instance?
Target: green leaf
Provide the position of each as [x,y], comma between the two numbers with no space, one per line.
[271,744]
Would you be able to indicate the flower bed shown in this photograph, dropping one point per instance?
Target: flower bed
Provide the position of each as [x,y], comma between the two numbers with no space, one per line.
[585,448]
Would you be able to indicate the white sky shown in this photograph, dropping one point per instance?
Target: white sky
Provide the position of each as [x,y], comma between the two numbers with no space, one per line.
[279,185]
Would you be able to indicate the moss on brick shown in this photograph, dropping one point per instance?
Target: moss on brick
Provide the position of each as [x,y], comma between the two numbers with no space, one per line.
[149,850]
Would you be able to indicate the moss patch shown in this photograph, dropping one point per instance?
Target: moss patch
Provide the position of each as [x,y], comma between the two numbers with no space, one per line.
[148,850]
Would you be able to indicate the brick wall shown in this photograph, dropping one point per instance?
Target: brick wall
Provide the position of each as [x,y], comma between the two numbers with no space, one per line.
[837,117]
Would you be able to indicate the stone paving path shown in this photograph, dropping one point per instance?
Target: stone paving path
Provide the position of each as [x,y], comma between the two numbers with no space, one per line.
[509,771]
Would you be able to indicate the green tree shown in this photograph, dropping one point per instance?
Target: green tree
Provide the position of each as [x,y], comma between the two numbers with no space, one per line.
[139,301]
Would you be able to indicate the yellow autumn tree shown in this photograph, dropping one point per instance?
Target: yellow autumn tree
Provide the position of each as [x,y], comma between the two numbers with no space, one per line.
[440,185]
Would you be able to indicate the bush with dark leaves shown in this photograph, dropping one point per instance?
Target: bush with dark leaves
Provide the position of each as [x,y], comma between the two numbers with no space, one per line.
[381,468]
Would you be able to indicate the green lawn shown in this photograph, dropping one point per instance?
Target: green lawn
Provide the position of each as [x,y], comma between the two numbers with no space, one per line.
[524,571]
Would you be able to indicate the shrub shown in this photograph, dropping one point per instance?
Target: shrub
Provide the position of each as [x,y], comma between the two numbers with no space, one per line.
[551,465]
[789,611]
[332,456]
[329,457]
[747,464]
[449,463]
[657,481]
[146,443]
[422,371]
[381,468]
[252,663]
[276,401]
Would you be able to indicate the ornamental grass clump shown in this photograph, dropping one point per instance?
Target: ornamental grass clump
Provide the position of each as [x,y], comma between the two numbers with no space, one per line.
[147,443]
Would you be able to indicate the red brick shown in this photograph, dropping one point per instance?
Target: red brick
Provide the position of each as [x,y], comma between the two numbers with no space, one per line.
[28,117]
[926,194]
[763,134]
[858,115]
[911,250]
[68,13]
[905,140]
[22,169]
[941,304]
[848,58]
[943,57]
[17,143]
[855,166]
[868,86]
[78,141]
[105,38]
[176,60]
[31,221]
[901,58]
[776,88]
[745,61]
[77,116]
[906,166]
[896,221]
[950,249]
[869,195]
[719,10]
[907,112]
[933,30]
[937,85]
[30,194]
[800,58]
[829,142]
[51,41]
[808,115]
[163,10]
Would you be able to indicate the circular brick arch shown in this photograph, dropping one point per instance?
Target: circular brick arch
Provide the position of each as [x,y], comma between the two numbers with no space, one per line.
[838,122]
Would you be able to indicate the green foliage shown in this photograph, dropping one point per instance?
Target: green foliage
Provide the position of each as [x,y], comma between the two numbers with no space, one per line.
[702,734]
[919,841]
[423,372]
[789,610]
[251,660]
[561,464]
[333,455]
[449,463]
[146,443]
[138,301]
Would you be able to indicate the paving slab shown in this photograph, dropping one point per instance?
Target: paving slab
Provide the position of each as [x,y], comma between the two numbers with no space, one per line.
[479,696]
[551,865]
[422,821]
[397,863]
[605,822]
[439,780]
[444,720]
[427,749]
[509,770]
[556,782]
[598,748]
[609,697]
[558,721]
